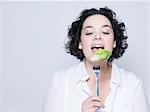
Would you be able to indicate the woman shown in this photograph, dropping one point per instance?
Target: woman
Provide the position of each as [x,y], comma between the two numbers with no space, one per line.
[74,89]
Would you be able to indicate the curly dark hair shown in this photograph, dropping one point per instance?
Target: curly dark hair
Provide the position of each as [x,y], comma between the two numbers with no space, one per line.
[74,33]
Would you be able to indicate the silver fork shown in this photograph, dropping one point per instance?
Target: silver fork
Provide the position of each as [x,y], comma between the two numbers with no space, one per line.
[96,70]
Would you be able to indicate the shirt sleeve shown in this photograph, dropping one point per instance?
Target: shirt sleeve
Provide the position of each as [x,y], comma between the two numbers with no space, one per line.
[140,104]
[52,101]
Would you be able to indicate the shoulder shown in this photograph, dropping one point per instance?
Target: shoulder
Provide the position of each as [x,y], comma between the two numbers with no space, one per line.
[66,73]
[127,78]
[130,91]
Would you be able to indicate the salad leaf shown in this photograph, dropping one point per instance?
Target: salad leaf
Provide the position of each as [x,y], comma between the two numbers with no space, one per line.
[101,54]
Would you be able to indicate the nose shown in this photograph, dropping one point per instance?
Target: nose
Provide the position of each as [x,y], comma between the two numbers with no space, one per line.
[97,37]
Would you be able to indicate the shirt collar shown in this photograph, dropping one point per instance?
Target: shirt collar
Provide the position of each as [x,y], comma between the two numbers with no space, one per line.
[115,78]
[83,75]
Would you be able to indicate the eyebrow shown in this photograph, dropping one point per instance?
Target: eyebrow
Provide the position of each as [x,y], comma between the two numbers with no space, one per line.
[88,27]
[103,26]
[106,26]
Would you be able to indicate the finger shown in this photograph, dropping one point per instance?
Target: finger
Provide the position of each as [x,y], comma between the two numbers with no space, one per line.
[99,106]
[93,101]
[95,104]
[95,98]
[93,109]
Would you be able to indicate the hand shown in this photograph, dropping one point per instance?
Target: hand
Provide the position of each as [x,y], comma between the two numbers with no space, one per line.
[92,103]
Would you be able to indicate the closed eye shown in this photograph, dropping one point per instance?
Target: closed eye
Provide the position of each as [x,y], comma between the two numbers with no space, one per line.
[105,33]
[88,33]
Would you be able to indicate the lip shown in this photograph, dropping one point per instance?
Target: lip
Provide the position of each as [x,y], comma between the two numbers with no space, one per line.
[97,45]
[95,49]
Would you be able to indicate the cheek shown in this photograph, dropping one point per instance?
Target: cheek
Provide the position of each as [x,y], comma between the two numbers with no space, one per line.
[86,42]
[86,45]
[108,44]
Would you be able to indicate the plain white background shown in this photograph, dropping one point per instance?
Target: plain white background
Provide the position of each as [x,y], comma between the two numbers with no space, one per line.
[32,47]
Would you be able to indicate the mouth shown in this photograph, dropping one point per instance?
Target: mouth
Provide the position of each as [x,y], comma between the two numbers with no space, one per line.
[96,48]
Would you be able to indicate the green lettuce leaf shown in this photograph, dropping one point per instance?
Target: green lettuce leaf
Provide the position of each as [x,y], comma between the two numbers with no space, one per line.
[101,55]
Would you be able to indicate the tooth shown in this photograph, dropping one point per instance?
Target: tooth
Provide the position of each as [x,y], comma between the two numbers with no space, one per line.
[97,45]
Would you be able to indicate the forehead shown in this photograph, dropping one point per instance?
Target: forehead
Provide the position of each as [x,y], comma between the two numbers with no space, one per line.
[96,20]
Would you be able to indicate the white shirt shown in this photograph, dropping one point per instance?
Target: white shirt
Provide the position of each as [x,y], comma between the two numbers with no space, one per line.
[68,89]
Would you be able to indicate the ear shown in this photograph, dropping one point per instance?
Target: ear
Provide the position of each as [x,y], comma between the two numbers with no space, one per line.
[114,45]
[80,46]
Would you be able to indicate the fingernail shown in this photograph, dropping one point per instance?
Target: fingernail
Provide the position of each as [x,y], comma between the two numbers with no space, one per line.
[103,106]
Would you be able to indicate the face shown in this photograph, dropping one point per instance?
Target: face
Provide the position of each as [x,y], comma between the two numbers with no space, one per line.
[97,33]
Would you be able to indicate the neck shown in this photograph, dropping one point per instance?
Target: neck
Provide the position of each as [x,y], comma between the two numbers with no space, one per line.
[105,69]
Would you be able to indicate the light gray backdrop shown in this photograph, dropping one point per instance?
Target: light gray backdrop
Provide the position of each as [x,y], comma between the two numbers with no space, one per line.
[32,47]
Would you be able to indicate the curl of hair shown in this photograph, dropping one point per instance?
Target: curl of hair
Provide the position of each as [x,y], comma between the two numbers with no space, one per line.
[74,33]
